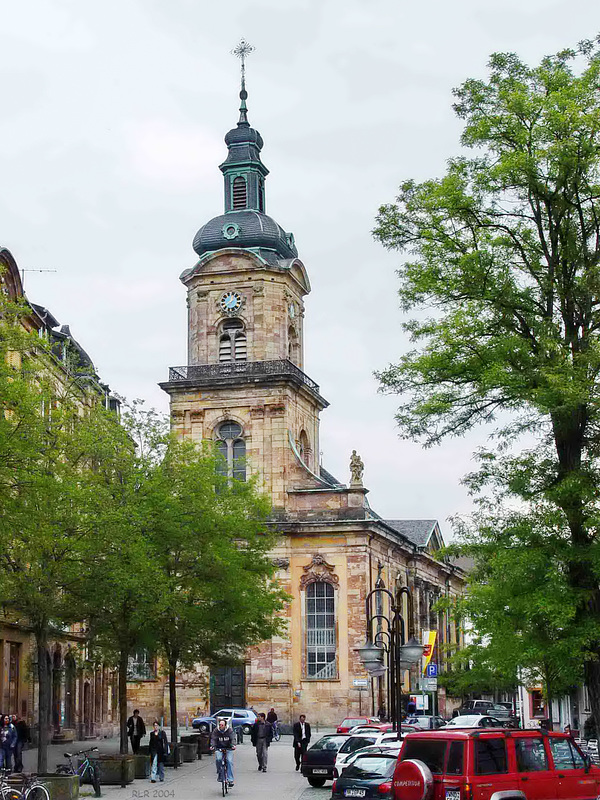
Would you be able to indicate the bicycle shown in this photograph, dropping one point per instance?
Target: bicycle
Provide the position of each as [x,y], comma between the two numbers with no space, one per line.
[276,732]
[31,788]
[87,769]
[222,770]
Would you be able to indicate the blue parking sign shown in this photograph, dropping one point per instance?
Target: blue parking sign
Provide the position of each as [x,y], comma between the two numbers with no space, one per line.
[432,670]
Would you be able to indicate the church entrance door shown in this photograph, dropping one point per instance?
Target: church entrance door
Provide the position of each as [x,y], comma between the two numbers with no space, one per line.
[227,688]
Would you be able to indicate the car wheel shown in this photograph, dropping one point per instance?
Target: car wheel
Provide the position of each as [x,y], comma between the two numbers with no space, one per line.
[317,782]
[247,729]
[204,727]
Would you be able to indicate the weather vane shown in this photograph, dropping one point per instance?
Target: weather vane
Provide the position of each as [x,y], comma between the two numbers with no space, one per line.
[243,49]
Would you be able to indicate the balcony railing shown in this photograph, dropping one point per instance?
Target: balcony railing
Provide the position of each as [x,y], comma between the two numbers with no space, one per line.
[251,369]
[320,637]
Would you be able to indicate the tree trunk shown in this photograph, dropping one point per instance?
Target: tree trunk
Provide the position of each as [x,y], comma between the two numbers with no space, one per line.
[173,702]
[123,663]
[41,638]
[592,680]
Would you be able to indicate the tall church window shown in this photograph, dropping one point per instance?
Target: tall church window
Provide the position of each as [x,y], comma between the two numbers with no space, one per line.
[232,342]
[240,193]
[320,631]
[293,345]
[231,449]
[261,196]
[304,448]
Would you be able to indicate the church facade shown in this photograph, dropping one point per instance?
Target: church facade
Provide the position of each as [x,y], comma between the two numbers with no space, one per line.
[245,386]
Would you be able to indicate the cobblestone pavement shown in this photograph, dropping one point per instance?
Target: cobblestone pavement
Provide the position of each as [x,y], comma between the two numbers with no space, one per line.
[197,780]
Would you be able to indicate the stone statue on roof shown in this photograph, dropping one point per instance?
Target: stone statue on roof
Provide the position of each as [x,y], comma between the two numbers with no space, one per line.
[356,469]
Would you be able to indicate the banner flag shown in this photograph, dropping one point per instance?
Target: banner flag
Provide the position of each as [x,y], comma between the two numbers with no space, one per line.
[428,645]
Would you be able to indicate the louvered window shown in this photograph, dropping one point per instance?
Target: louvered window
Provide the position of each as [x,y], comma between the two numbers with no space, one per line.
[261,196]
[232,342]
[320,631]
[231,451]
[239,193]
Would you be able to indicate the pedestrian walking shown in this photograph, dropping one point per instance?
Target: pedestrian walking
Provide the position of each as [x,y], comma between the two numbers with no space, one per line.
[8,738]
[136,730]
[23,737]
[261,737]
[222,741]
[301,731]
[159,750]
[381,713]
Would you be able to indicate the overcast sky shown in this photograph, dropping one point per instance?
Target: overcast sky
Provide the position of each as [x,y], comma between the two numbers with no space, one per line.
[114,113]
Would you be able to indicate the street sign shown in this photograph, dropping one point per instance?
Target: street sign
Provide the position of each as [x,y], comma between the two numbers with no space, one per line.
[432,670]
[430,685]
[360,682]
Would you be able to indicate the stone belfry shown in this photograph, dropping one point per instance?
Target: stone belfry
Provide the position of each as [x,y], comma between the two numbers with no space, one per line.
[244,385]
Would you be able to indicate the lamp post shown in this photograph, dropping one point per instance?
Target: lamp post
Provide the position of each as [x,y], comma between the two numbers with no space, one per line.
[389,644]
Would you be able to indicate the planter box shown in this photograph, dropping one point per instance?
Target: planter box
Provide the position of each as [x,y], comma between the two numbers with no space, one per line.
[60,787]
[189,751]
[174,752]
[142,765]
[194,740]
[115,769]
[144,750]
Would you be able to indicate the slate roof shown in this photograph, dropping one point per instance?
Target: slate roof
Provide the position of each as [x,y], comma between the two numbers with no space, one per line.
[327,476]
[252,229]
[417,531]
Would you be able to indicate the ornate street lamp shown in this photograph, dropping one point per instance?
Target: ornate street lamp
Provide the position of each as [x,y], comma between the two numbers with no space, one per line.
[390,641]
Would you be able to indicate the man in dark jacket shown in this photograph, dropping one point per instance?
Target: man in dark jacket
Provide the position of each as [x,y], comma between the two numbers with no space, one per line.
[159,750]
[222,740]
[136,730]
[23,736]
[261,737]
[301,731]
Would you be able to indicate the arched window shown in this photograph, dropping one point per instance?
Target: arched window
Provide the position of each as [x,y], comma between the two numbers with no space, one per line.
[304,448]
[232,342]
[240,192]
[232,451]
[320,631]
[293,346]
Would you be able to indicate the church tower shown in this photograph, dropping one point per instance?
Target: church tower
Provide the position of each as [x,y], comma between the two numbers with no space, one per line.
[244,384]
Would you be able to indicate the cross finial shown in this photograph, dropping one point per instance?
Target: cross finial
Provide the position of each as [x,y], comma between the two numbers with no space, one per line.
[242,50]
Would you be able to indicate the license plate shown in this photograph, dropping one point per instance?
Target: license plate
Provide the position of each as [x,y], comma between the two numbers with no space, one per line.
[355,792]
[320,771]
[452,794]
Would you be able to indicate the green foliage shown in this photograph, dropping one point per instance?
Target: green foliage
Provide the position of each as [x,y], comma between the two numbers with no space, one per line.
[503,269]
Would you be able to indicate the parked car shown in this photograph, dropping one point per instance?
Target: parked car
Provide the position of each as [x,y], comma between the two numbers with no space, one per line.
[473,721]
[384,747]
[384,741]
[426,721]
[473,707]
[369,775]
[454,764]
[352,722]
[352,744]
[383,727]
[318,763]
[238,718]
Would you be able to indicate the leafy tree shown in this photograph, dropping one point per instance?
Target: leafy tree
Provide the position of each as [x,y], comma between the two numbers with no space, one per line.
[503,269]
[48,443]
[211,543]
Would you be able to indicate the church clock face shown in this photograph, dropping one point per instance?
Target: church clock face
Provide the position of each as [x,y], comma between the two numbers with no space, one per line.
[231,302]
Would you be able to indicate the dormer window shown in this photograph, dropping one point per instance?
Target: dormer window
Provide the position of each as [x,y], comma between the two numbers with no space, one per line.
[240,193]
[232,342]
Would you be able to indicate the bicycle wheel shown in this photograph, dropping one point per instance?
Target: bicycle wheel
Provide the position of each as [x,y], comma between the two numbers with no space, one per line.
[8,793]
[37,792]
[95,780]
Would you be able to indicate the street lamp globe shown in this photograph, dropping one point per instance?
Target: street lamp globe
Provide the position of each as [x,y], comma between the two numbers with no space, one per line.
[410,653]
[371,655]
[376,670]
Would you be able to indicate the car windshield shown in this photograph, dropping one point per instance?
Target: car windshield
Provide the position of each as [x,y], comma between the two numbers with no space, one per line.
[371,767]
[431,751]
[329,743]
[355,743]
[469,720]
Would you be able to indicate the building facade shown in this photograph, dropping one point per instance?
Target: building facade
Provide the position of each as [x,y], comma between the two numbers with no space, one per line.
[82,690]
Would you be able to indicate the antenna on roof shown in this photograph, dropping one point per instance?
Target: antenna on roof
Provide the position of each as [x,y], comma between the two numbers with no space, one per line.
[23,271]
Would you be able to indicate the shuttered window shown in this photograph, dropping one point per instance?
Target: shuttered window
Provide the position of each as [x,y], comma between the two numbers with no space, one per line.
[232,342]
[239,193]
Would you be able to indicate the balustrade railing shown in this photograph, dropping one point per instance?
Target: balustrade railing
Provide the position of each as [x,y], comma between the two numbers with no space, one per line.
[243,368]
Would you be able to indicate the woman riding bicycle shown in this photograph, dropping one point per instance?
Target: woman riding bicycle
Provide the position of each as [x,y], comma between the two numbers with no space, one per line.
[222,740]
[272,718]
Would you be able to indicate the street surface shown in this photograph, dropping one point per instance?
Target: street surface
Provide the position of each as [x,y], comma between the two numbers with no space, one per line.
[197,781]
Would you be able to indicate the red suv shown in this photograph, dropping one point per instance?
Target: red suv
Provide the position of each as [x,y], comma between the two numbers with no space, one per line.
[493,764]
